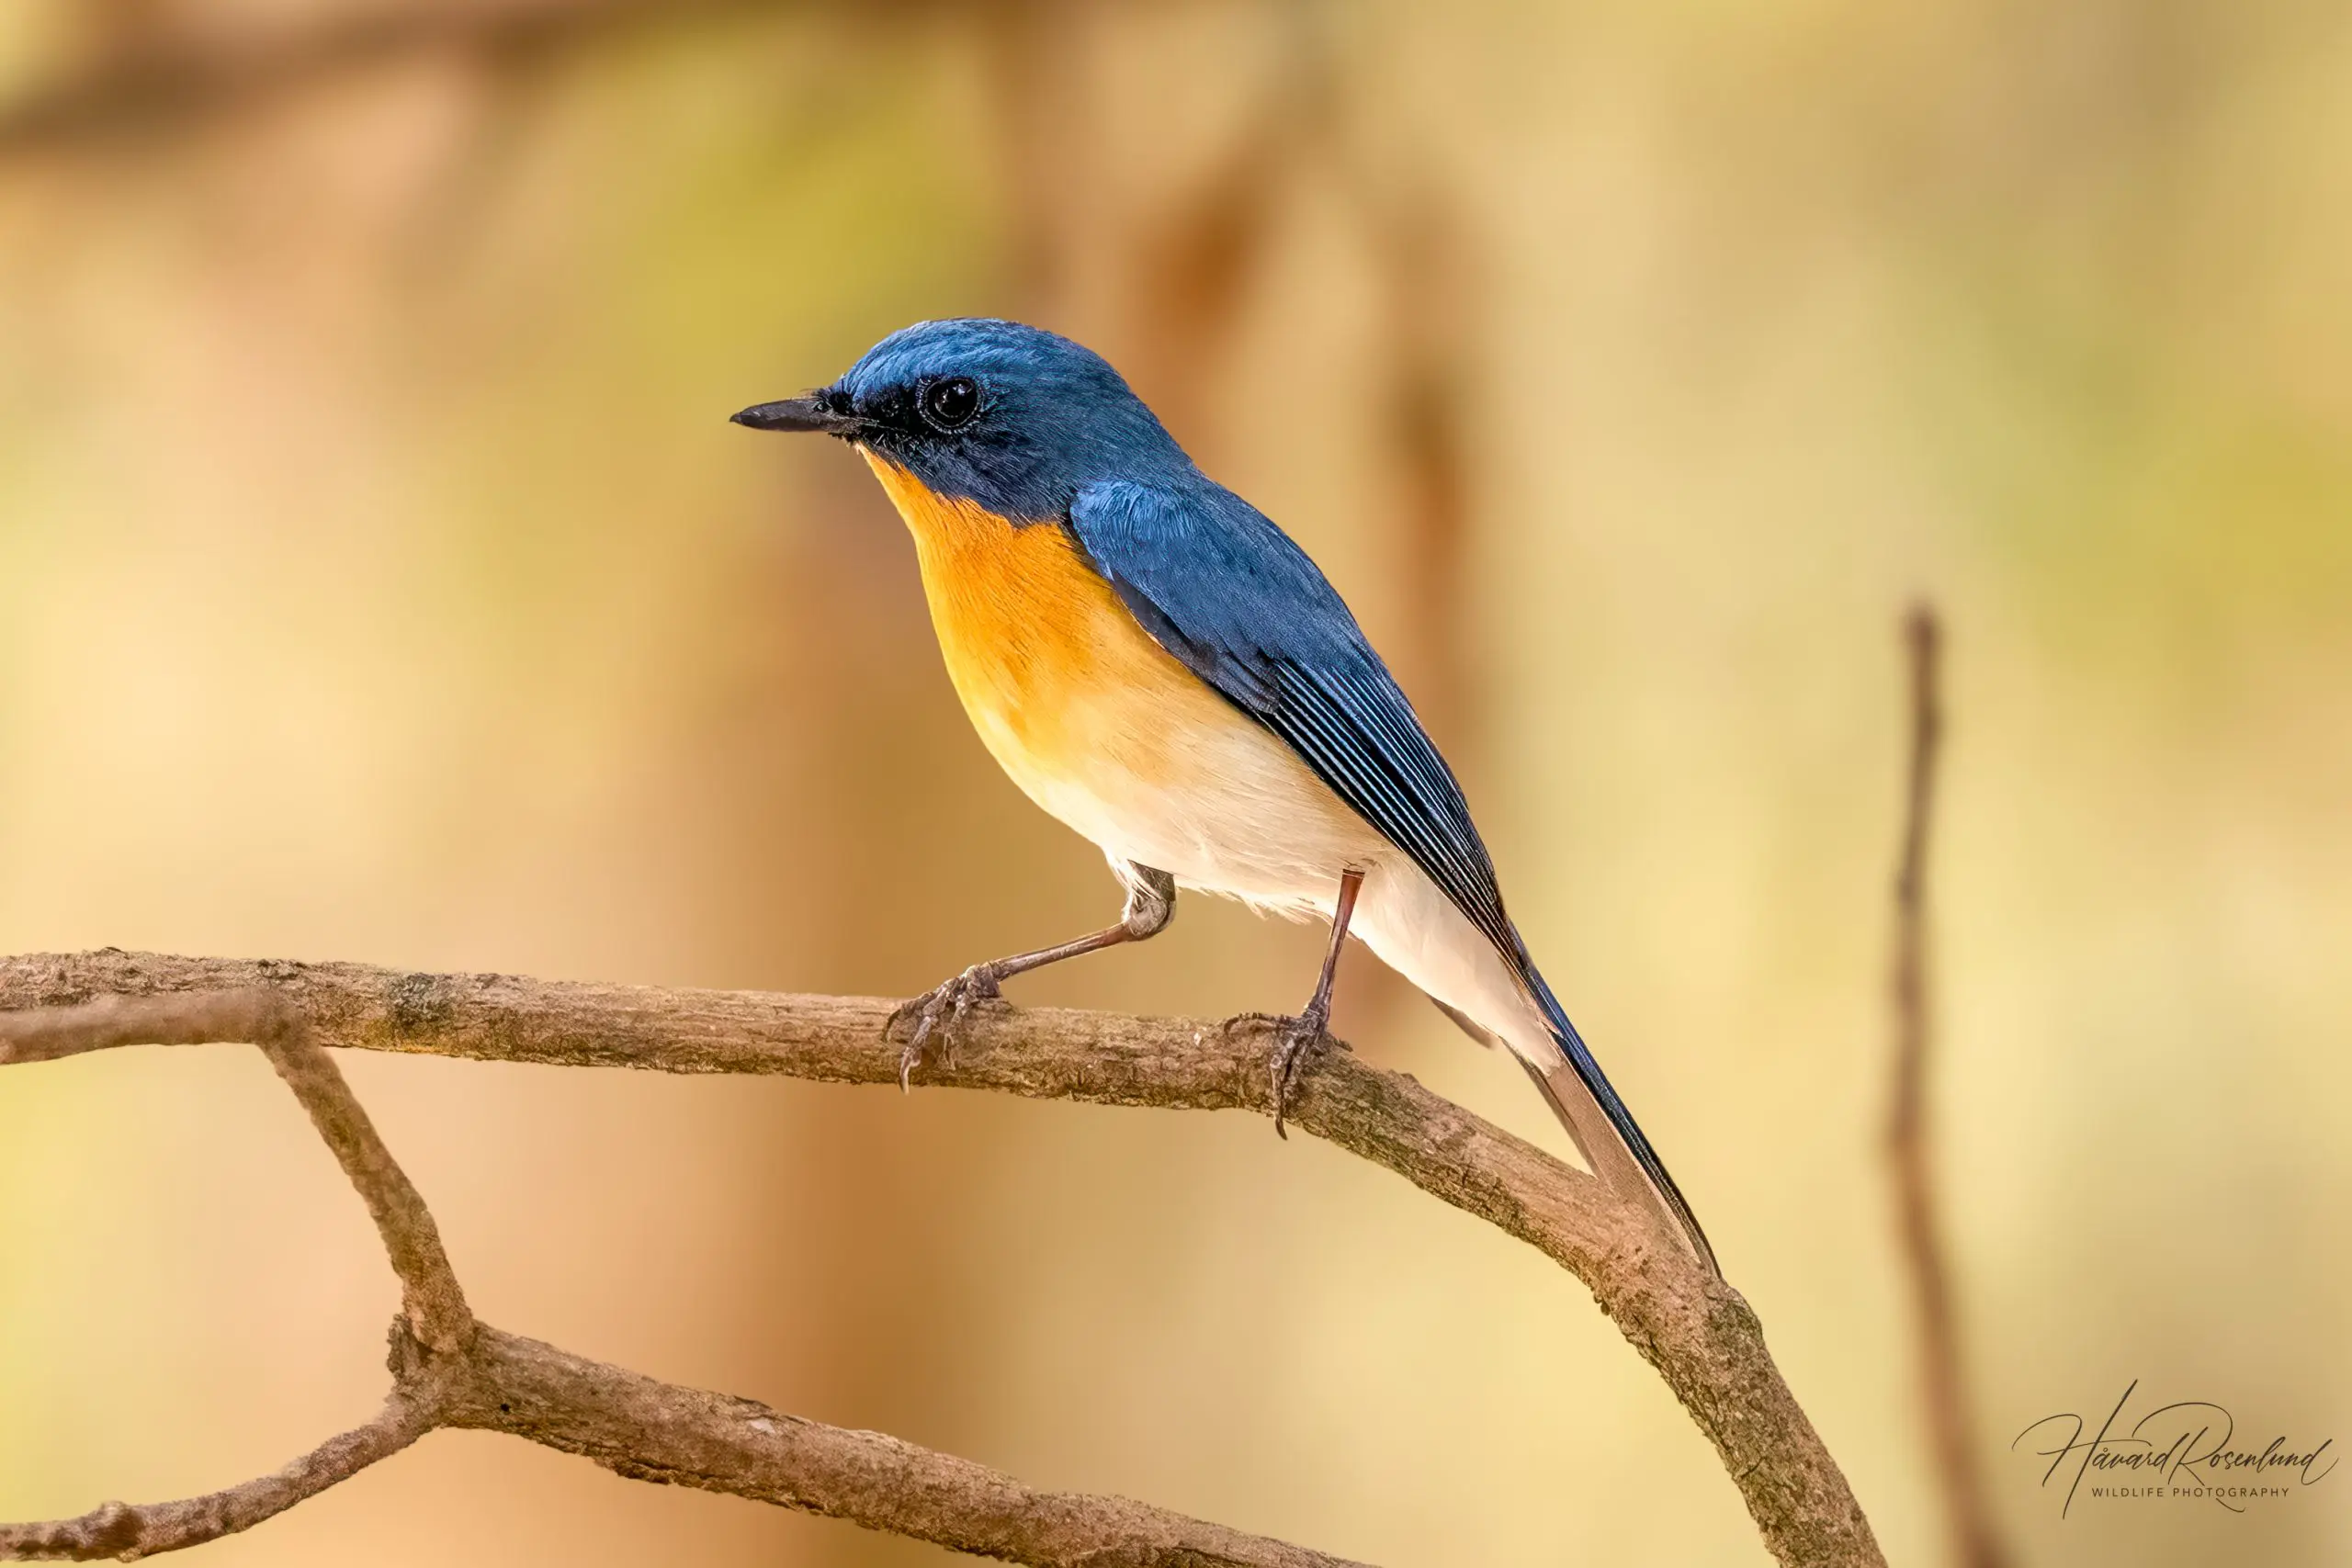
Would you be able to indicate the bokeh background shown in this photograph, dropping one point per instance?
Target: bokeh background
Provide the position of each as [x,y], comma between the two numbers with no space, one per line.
[381,579]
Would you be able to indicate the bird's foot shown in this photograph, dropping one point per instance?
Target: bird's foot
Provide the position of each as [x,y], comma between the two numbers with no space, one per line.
[1297,1041]
[935,1018]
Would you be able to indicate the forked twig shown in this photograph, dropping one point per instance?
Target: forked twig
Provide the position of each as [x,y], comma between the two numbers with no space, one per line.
[450,1371]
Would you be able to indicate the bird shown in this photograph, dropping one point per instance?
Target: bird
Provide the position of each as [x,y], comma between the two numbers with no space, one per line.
[1155,663]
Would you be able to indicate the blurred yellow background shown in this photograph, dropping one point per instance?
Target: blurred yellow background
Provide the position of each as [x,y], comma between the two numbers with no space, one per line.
[381,579]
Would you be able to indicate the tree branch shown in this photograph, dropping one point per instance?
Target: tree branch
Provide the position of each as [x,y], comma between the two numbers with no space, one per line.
[1968,1511]
[450,1370]
[656,1431]
[1696,1330]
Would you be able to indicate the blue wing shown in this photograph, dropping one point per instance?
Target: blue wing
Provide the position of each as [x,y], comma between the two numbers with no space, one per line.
[1229,594]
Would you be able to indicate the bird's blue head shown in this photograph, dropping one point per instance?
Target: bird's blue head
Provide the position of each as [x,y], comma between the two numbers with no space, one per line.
[1011,418]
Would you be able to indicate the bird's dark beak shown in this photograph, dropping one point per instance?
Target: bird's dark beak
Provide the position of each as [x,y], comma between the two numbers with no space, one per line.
[808,413]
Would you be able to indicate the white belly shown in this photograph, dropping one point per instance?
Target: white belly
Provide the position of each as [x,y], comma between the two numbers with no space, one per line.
[1223,807]
[1238,814]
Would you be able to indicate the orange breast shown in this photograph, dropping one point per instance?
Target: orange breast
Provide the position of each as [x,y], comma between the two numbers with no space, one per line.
[1105,729]
[1058,676]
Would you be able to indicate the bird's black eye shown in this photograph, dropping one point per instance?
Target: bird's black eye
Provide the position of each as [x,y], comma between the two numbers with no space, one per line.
[950,404]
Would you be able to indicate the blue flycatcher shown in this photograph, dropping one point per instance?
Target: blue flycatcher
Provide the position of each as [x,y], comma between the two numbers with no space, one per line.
[1159,666]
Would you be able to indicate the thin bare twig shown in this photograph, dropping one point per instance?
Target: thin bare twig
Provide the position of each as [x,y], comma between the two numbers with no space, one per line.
[1976,1539]
[127,1532]
[432,1298]
[1695,1329]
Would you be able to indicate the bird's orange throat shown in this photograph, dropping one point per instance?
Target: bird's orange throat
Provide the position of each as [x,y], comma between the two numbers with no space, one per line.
[1022,617]
[949,533]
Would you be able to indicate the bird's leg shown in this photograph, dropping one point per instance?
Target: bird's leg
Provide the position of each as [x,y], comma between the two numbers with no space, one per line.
[938,1013]
[1297,1039]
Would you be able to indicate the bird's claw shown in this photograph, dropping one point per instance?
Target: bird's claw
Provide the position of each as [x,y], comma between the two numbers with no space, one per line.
[1297,1041]
[938,1015]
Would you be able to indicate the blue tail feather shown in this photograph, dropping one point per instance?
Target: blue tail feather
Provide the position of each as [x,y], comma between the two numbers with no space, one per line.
[1629,1132]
